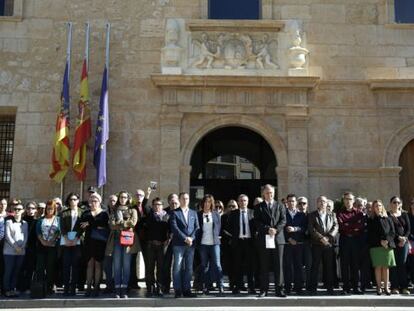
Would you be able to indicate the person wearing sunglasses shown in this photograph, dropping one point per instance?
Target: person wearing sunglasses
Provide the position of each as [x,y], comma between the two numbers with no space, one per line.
[401,221]
[70,226]
[208,242]
[29,264]
[351,228]
[16,234]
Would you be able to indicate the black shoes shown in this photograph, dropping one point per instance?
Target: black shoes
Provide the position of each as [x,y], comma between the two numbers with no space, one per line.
[262,294]
[280,293]
[178,294]
[189,295]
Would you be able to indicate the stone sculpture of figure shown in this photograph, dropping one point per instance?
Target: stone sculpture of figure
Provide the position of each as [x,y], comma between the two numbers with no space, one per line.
[171,52]
[297,54]
[263,56]
[205,54]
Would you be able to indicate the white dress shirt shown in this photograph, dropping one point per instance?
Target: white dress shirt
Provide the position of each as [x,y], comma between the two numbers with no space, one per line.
[243,214]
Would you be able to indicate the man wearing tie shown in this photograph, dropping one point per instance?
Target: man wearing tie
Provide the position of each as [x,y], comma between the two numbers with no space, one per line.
[323,228]
[242,231]
[184,226]
[270,220]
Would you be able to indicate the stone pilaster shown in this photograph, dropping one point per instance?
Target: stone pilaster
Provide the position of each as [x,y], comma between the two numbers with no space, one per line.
[170,153]
[297,141]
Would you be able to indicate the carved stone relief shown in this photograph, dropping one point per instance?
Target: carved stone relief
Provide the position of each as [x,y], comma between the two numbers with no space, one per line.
[233,51]
[206,48]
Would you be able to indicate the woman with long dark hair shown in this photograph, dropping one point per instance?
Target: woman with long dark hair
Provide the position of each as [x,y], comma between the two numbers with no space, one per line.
[122,242]
[208,241]
[398,274]
[48,232]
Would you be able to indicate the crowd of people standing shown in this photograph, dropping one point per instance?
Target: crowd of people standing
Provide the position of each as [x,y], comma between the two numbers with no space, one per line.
[190,250]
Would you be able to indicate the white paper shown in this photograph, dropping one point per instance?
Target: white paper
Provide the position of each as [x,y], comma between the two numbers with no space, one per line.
[270,241]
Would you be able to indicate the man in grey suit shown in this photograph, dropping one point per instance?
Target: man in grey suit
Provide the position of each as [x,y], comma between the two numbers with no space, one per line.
[270,220]
[323,228]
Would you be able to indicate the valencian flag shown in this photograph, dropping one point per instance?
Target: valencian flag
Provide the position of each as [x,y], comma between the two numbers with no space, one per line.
[83,127]
[60,152]
[102,133]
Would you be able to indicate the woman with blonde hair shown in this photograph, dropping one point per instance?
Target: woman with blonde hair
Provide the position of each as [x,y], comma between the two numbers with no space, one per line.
[401,221]
[381,235]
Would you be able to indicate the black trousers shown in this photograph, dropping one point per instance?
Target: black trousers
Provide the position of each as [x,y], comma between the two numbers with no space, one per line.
[27,269]
[46,263]
[292,266]
[349,252]
[324,254]
[270,258]
[71,261]
[155,259]
[243,252]
[166,268]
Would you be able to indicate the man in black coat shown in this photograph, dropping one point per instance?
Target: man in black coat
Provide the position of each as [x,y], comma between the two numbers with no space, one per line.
[270,220]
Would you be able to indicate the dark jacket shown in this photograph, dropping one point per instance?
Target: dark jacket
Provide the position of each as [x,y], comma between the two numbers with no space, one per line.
[157,229]
[234,223]
[300,222]
[180,229]
[402,226]
[265,218]
[380,228]
[317,230]
[66,222]
[216,227]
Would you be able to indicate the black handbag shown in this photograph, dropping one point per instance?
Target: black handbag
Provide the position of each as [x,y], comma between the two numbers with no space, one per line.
[38,286]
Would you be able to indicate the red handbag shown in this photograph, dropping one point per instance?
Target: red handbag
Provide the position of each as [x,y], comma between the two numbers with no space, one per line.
[410,247]
[126,238]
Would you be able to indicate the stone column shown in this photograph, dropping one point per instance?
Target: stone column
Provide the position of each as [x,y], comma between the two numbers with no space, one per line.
[170,153]
[185,172]
[390,182]
[297,141]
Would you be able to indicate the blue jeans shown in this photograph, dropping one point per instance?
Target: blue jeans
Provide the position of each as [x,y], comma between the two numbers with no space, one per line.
[183,268]
[12,264]
[122,265]
[210,260]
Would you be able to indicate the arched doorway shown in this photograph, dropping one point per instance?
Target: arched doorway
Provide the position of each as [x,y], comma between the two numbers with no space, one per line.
[407,173]
[229,161]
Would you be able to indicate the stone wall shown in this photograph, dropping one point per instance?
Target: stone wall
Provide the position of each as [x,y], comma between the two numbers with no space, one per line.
[348,127]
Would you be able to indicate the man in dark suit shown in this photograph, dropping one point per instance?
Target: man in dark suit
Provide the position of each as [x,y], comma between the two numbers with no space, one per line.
[270,220]
[323,228]
[242,232]
[184,226]
[296,225]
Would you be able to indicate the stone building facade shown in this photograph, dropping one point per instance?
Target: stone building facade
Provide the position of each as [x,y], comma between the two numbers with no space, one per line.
[327,83]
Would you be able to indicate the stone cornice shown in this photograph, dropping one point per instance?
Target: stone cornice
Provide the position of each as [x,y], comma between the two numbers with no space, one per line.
[392,84]
[234,25]
[197,81]
[353,171]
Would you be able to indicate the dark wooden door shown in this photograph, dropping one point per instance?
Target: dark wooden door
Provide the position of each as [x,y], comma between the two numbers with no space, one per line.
[407,173]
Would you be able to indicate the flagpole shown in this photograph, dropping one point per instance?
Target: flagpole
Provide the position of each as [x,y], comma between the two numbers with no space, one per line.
[108,35]
[87,28]
[68,55]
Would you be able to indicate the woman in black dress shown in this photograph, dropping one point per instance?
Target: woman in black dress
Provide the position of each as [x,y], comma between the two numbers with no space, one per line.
[95,221]
[401,221]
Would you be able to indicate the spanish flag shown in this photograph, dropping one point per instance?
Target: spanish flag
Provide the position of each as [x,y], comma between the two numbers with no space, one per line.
[83,127]
[60,151]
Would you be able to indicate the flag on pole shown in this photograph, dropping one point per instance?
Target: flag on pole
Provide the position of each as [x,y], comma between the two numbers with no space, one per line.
[102,133]
[60,151]
[83,127]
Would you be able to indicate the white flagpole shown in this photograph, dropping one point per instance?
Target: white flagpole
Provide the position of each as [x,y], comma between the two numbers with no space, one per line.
[68,55]
[108,35]
[87,27]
